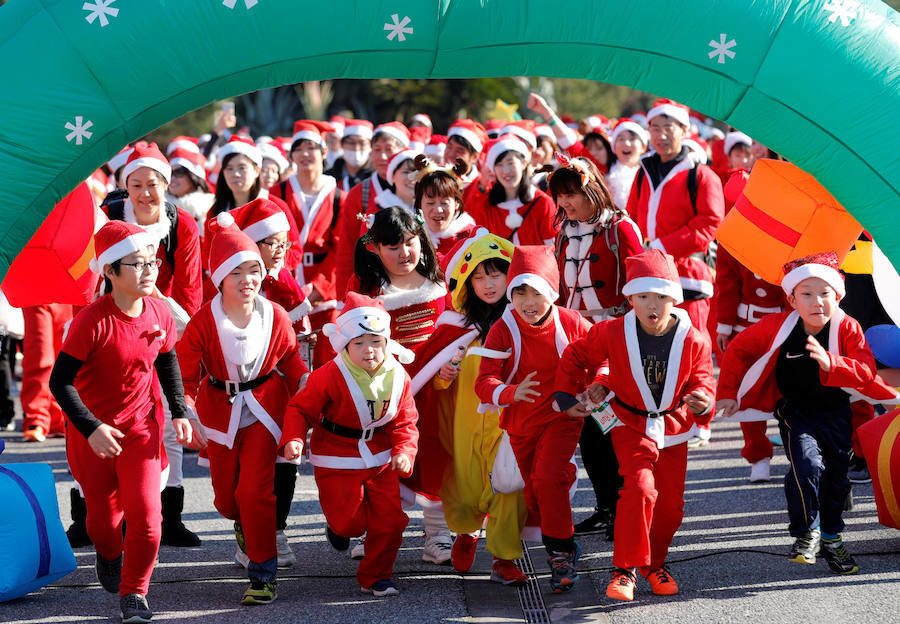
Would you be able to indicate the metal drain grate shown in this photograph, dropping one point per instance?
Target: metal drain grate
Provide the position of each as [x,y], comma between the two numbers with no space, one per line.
[530,597]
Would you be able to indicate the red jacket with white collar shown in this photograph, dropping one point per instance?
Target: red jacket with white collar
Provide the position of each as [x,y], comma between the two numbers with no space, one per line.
[348,230]
[537,226]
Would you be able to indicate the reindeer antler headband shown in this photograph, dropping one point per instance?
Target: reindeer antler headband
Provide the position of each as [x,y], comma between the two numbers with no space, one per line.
[425,166]
[578,165]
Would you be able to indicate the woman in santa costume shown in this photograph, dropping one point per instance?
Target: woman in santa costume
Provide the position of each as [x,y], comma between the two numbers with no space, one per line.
[363,420]
[439,200]
[594,240]
[517,370]
[228,357]
[660,373]
[442,379]
[629,142]
[104,380]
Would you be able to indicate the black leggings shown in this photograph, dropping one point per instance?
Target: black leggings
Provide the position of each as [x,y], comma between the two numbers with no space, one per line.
[600,462]
[285,480]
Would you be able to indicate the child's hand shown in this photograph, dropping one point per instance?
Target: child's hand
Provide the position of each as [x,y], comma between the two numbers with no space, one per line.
[104,441]
[697,401]
[401,464]
[292,450]
[198,435]
[448,372]
[818,353]
[524,390]
[183,431]
[722,341]
[596,393]
[578,411]
[727,407]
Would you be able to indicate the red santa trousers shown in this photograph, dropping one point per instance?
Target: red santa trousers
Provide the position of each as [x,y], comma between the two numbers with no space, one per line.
[651,502]
[365,501]
[125,487]
[544,461]
[757,445]
[43,339]
[243,480]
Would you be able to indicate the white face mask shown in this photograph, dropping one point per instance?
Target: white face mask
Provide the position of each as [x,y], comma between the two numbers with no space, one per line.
[356,158]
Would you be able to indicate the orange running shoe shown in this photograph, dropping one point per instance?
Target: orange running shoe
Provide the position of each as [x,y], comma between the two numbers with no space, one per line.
[507,572]
[661,581]
[621,585]
[34,433]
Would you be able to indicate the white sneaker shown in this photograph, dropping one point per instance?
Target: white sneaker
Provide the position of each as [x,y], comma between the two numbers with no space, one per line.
[759,472]
[241,558]
[359,549]
[286,558]
[438,548]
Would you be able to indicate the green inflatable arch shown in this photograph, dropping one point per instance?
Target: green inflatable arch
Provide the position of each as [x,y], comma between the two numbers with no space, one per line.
[817,80]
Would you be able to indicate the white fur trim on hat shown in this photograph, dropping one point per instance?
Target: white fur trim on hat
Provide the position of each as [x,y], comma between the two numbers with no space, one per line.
[422,119]
[678,113]
[130,244]
[232,262]
[520,132]
[399,159]
[193,167]
[656,285]
[267,227]
[156,164]
[469,135]
[183,144]
[239,147]
[736,138]
[813,269]
[630,126]
[118,161]
[546,131]
[358,130]
[308,135]
[393,132]
[356,322]
[506,145]
[535,281]
[274,154]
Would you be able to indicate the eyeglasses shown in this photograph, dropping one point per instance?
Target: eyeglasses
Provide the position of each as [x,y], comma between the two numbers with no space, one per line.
[276,246]
[139,267]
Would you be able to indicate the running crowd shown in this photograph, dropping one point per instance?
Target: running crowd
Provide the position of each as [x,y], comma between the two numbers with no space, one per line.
[439,321]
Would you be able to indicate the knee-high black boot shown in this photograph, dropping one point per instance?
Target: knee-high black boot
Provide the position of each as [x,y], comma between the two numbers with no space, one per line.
[174,533]
[77,531]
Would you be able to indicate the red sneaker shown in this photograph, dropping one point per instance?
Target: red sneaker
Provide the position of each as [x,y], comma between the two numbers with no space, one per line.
[661,581]
[462,555]
[621,585]
[507,573]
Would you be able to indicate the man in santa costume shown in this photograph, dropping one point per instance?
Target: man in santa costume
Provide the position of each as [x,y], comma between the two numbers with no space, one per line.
[363,420]
[517,371]
[660,374]
[228,357]
[805,365]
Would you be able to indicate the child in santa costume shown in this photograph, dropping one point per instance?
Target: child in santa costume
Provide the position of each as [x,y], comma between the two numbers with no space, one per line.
[439,200]
[229,354]
[363,420]
[105,382]
[442,379]
[805,365]
[660,370]
[516,374]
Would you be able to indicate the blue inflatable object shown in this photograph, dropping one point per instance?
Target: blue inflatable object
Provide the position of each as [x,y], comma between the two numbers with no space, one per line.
[884,340]
[34,550]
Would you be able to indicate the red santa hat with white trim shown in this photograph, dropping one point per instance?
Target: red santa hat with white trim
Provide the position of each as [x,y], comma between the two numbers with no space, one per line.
[192,161]
[398,159]
[305,130]
[418,137]
[364,315]
[240,145]
[423,119]
[630,125]
[736,138]
[472,131]
[358,127]
[436,147]
[535,266]
[147,155]
[543,130]
[337,122]
[273,152]
[395,130]
[501,146]
[672,109]
[523,129]
[822,265]
[118,161]
[115,240]
[652,271]
[191,144]
[597,123]
[260,219]
[229,248]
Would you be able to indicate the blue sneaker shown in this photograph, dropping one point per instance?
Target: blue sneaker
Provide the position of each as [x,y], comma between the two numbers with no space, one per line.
[384,587]
[776,440]
[563,574]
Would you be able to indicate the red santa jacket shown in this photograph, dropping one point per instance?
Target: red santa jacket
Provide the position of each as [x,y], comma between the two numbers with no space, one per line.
[461,227]
[592,265]
[332,393]
[537,218]
[348,230]
[512,350]
[616,342]
[201,353]
[669,222]
[743,297]
[748,368]
[284,290]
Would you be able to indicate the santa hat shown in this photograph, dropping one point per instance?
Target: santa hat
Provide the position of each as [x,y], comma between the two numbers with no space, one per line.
[472,131]
[260,219]
[736,138]
[364,315]
[240,145]
[229,248]
[305,130]
[524,129]
[436,147]
[597,123]
[652,271]
[640,118]
[423,119]
[118,161]
[337,122]
[284,144]
[670,108]
[822,265]
[627,124]
[465,257]
[358,127]
[192,161]
[115,240]
[418,137]
[698,149]
[492,127]
[506,145]
[190,144]
[535,266]
[545,131]
[271,151]
[394,129]
[398,159]
[147,155]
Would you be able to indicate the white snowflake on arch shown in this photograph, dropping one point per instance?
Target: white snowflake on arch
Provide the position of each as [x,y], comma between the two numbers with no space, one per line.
[722,48]
[247,3]
[845,10]
[79,130]
[100,9]
[398,28]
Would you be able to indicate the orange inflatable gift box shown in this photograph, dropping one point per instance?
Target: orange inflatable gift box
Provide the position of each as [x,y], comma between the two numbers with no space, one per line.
[784,214]
[880,439]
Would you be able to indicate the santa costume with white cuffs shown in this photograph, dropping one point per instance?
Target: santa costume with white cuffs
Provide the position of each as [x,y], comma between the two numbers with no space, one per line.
[531,223]
[240,380]
[650,439]
[359,421]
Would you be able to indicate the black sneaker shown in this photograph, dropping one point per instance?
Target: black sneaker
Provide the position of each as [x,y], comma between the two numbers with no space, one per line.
[839,560]
[563,574]
[337,542]
[848,502]
[805,548]
[858,473]
[135,609]
[611,528]
[595,523]
[109,573]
